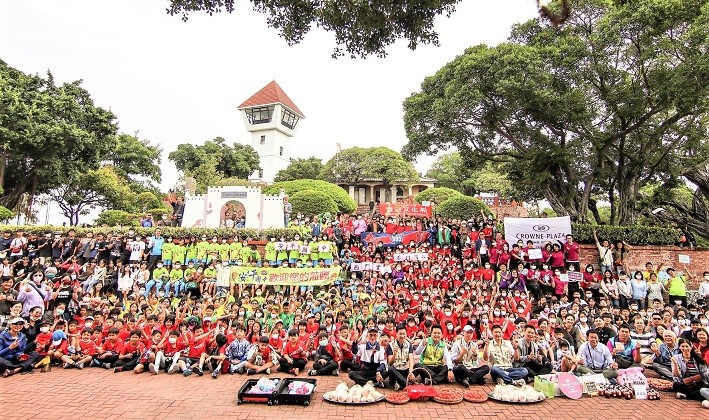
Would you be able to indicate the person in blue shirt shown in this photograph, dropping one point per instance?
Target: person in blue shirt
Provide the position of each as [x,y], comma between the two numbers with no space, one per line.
[155,244]
[13,344]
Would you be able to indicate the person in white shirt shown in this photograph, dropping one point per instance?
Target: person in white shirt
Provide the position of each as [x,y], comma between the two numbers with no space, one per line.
[704,286]
[400,358]
[137,248]
[594,357]
[468,368]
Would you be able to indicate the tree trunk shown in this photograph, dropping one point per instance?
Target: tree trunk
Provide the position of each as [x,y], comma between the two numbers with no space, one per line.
[3,165]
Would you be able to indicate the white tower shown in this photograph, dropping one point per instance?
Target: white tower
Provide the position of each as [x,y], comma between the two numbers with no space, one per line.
[271,117]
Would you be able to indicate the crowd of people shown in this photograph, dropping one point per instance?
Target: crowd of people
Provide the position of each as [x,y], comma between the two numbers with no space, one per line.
[475,309]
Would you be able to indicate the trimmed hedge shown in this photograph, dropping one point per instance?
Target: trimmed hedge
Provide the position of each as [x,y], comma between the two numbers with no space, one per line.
[437,195]
[344,202]
[634,235]
[462,207]
[313,202]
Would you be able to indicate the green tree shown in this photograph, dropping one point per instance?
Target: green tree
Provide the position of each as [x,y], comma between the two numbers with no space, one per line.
[310,202]
[309,168]
[102,187]
[438,195]
[237,160]
[462,208]
[361,28]
[146,200]
[358,164]
[5,214]
[450,171]
[116,218]
[344,202]
[48,134]
[593,110]
[135,159]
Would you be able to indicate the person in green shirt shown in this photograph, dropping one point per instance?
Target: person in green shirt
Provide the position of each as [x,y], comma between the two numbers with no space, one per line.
[167,251]
[179,252]
[159,274]
[325,247]
[314,254]
[294,252]
[202,250]
[209,282]
[677,287]
[189,270]
[270,252]
[282,253]
[177,279]
[255,256]
[191,250]
[213,250]
[224,250]
[245,253]
[234,250]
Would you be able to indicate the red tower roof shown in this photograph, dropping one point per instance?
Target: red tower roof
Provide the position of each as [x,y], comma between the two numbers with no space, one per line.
[269,95]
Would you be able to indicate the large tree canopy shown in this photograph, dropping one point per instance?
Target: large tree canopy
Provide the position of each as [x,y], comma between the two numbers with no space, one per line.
[48,134]
[236,161]
[595,110]
[309,168]
[358,164]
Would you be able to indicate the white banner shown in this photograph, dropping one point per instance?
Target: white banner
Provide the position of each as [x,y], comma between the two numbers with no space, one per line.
[540,230]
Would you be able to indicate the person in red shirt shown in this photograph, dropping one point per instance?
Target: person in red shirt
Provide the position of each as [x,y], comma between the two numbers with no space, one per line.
[215,355]
[85,350]
[343,343]
[132,351]
[293,357]
[108,352]
[169,352]
[152,346]
[571,253]
[198,345]
[43,341]
[262,359]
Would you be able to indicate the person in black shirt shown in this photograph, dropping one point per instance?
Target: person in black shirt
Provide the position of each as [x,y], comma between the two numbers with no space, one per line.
[44,248]
[604,333]
[32,247]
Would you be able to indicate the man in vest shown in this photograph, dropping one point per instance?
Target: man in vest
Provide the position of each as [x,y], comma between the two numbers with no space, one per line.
[468,368]
[435,358]
[372,359]
[500,353]
[400,359]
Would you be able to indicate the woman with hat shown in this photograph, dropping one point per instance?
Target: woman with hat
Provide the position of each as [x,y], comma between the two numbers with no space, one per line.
[13,344]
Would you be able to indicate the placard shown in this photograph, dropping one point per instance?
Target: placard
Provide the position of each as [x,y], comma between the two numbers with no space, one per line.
[424,256]
[564,277]
[324,248]
[683,259]
[399,257]
[280,246]
[377,266]
[640,392]
[535,254]
[570,386]
[574,276]
[304,250]
[356,267]
[590,389]
[366,266]
[290,246]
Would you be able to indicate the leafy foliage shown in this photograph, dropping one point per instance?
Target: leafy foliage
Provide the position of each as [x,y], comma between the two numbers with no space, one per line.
[462,208]
[5,214]
[591,111]
[361,28]
[309,168]
[134,158]
[116,218]
[438,195]
[312,202]
[216,157]
[343,201]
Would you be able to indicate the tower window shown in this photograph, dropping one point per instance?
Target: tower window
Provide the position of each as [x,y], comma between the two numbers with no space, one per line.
[260,173]
[280,151]
[260,115]
[263,140]
[288,118]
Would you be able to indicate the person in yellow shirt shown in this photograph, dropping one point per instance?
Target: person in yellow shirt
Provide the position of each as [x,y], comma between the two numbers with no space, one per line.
[234,250]
[202,250]
[224,251]
[179,252]
[167,252]
[213,250]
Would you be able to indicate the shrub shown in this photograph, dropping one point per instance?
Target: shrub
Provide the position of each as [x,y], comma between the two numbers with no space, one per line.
[5,214]
[312,202]
[437,195]
[634,235]
[463,207]
[116,218]
[344,202]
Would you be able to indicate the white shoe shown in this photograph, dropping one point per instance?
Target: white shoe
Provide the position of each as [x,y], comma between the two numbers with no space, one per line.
[152,368]
[500,381]
[519,382]
[172,369]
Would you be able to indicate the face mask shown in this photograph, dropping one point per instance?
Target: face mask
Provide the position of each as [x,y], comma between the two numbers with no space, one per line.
[242,313]
[678,302]
[485,321]
[547,310]
[521,311]
[449,313]
[44,329]
[583,319]
[274,316]
[705,321]
[274,336]
[88,324]
[589,296]
[450,327]
[172,340]
[218,266]
[60,312]
[258,315]
[159,265]
[323,342]
[497,313]
[141,291]
[590,270]
[634,307]
[466,314]
[73,276]
[258,293]
[86,298]
[503,313]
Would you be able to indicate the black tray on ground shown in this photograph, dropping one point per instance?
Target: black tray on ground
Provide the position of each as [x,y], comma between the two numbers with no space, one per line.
[283,397]
[243,396]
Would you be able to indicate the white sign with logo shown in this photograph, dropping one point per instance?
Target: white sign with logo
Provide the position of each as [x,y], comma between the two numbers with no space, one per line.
[539,230]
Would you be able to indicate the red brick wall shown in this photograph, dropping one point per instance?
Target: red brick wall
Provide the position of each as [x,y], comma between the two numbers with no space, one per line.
[665,255]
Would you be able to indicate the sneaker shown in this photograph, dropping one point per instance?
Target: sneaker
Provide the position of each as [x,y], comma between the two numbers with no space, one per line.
[79,365]
[465,382]
[296,371]
[519,382]
[152,368]
[680,396]
[172,369]
[214,374]
[397,386]
[427,381]
[118,369]
[499,381]
[336,372]
[312,372]
[251,372]
[187,372]
[240,370]
[106,366]
[198,371]
[67,365]
[268,371]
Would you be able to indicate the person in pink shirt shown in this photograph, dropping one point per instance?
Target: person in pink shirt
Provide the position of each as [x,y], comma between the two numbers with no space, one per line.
[571,253]
[359,225]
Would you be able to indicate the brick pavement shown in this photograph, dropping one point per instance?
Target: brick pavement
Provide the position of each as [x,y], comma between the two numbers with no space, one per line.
[101,394]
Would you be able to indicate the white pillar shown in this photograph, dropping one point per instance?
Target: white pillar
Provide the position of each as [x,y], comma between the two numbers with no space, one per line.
[393,193]
[371,193]
[411,190]
[361,196]
[352,192]
[382,195]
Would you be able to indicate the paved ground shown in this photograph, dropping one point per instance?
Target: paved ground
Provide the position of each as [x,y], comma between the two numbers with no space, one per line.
[100,394]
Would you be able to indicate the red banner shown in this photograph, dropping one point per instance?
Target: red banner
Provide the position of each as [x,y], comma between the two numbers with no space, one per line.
[403,209]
